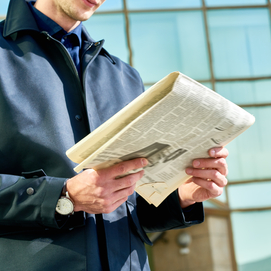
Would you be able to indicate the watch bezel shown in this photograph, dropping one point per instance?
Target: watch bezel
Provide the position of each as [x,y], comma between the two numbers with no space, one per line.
[66,199]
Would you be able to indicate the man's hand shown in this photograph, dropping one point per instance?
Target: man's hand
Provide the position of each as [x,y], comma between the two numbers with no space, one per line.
[99,191]
[208,178]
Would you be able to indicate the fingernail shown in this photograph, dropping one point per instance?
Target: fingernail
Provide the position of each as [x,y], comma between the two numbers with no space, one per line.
[144,162]
[212,153]
[196,163]
[188,171]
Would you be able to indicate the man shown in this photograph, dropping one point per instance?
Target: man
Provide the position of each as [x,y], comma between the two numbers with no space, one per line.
[56,86]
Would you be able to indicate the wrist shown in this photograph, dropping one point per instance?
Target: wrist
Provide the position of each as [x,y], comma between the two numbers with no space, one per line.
[65,205]
[187,203]
[184,202]
[64,189]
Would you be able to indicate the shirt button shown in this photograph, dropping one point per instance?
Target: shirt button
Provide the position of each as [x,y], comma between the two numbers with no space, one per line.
[78,117]
[30,191]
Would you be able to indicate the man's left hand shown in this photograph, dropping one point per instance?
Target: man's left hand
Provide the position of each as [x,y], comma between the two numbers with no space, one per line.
[208,178]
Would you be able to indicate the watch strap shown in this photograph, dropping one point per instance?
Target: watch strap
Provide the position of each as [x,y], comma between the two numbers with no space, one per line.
[65,193]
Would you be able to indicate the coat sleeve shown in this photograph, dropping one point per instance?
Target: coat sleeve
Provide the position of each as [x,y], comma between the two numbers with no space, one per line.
[168,215]
[31,202]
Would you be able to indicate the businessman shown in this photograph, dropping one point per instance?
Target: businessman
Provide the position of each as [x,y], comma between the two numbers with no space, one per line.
[56,86]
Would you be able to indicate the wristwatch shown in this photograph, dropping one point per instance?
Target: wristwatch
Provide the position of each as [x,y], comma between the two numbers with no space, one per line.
[65,205]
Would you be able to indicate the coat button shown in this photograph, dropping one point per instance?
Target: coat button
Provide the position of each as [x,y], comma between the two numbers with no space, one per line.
[78,117]
[30,191]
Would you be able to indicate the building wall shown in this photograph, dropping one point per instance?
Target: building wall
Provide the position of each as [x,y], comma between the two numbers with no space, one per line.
[210,248]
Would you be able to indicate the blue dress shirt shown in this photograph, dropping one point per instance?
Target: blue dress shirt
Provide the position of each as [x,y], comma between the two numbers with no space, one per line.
[71,40]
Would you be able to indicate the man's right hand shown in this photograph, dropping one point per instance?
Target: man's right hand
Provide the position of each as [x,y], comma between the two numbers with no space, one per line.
[101,191]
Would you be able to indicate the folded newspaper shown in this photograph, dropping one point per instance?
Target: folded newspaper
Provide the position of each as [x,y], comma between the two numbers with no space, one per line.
[172,123]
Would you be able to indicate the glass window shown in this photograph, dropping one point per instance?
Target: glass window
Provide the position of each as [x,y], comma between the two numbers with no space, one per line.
[246,92]
[252,240]
[250,195]
[112,29]
[207,84]
[240,42]
[209,204]
[167,42]
[111,5]
[210,3]
[223,197]
[249,157]
[161,4]
[3,7]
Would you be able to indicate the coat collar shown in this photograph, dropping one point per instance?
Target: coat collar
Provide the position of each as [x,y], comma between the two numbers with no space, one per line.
[19,17]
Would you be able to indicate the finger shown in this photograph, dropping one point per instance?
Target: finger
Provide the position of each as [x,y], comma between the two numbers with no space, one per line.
[211,174]
[105,206]
[213,189]
[114,205]
[120,188]
[218,152]
[124,167]
[117,198]
[127,181]
[216,163]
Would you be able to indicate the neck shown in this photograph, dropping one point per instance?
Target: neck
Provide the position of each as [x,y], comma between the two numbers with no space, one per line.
[51,11]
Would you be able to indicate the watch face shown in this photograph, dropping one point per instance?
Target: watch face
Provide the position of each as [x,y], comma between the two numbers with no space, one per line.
[64,206]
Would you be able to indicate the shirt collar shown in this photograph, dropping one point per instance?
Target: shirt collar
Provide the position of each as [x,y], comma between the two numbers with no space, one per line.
[47,24]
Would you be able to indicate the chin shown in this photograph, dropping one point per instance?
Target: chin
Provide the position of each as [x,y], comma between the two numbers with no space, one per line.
[83,16]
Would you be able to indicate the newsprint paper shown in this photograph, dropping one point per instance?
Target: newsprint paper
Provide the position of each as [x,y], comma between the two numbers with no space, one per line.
[170,124]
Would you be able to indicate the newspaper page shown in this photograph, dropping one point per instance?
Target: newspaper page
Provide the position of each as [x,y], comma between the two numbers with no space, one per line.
[96,139]
[181,127]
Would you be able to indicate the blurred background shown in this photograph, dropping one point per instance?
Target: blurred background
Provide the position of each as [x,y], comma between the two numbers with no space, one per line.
[225,45]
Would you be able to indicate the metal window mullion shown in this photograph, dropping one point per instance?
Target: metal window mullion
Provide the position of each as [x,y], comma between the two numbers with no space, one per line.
[163,10]
[204,10]
[127,28]
[255,105]
[194,9]
[269,8]
[249,181]
[237,7]
[251,209]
